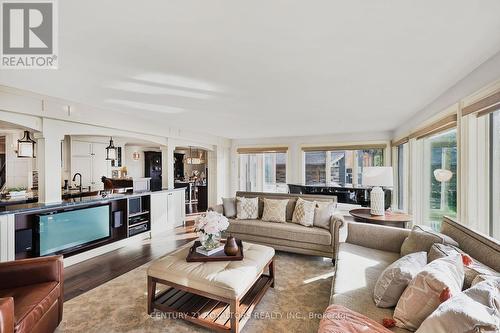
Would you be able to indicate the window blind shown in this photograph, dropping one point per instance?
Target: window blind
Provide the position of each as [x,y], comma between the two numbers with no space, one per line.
[260,150]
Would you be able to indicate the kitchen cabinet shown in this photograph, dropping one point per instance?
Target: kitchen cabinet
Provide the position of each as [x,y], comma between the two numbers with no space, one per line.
[176,208]
[89,159]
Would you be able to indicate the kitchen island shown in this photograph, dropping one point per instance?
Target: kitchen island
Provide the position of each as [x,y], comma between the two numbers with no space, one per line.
[83,227]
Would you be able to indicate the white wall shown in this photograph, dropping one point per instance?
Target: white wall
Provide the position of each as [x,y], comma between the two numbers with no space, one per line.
[295,163]
[18,170]
[483,75]
[135,168]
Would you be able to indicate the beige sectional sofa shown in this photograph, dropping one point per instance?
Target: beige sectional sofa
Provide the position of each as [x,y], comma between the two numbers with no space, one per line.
[289,236]
[365,250]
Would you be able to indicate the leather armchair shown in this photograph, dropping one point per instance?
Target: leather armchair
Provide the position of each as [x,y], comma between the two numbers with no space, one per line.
[31,295]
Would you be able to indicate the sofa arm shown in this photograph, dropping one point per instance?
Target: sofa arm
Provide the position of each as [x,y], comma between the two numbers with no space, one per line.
[7,315]
[376,236]
[31,271]
[217,208]
[337,223]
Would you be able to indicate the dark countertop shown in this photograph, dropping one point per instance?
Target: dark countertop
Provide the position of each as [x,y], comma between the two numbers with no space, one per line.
[342,186]
[72,202]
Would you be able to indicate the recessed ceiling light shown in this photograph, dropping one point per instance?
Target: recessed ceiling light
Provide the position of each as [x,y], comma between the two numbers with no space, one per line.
[177,81]
[145,106]
[149,89]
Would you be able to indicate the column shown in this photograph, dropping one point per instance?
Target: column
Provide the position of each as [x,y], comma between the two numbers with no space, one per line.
[49,168]
[167,161]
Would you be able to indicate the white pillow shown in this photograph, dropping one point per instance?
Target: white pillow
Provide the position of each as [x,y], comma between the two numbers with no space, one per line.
[421,297]
[395,278]
[247,208]
[304,212]
[474,310]
[471,271]
[274,210]
[323,214]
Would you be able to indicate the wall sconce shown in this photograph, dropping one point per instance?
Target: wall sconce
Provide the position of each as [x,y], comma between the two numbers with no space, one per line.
[26,146]
[136,155]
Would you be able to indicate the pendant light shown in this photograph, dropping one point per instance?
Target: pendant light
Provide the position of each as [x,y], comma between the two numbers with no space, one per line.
[193,160]
[26,146]
[111,151]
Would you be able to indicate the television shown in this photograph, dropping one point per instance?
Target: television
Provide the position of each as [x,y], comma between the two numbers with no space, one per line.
[61,232]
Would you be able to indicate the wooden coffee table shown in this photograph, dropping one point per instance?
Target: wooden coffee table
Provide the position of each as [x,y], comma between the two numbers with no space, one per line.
[389,219]
[218,295]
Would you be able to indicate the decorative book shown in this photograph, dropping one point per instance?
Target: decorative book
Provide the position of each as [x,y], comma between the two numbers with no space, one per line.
[201,250]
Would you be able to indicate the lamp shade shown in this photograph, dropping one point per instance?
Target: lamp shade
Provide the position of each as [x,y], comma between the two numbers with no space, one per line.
[378,176]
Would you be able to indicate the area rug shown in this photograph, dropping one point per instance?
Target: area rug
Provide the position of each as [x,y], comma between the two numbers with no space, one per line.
[301,294]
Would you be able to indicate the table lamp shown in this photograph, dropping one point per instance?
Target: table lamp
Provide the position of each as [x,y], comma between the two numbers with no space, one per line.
[377,177]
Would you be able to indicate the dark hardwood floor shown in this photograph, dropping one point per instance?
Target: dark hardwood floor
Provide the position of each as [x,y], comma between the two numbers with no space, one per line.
[84,276]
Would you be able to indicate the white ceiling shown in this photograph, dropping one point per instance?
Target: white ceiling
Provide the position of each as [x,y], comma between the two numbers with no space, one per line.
[266,68]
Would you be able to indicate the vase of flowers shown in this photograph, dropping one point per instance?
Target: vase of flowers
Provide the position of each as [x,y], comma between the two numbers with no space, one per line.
[209,227]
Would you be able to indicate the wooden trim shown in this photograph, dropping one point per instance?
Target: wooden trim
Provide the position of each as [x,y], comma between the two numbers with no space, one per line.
[345,147]
[436,127]
[490,102]
[487,111]
[438,130]
[400,141]
[259,150]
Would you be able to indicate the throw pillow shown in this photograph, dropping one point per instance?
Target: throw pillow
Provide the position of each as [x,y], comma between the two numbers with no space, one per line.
[473,310]
[274,210]
[472,270]
[247,208]
[323,214]
[422,295]
[229,205]
[481,278]
[395,278]
[304,212]
[421,239]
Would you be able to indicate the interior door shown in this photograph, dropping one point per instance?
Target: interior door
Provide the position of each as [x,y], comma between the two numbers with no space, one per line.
[101,166]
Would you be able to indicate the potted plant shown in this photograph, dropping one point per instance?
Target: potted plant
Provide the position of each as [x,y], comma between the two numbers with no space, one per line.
[209,227]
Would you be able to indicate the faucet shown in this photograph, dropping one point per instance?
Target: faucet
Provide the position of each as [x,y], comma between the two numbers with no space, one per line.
[74,178]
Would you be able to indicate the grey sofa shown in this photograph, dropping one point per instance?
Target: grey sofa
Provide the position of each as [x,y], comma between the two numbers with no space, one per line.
[365,250]
[289,236]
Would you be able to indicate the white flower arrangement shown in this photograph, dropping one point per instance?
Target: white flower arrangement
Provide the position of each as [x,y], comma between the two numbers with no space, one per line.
[211,223]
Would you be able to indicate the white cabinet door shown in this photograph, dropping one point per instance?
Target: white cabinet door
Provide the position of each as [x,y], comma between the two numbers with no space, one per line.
[101,166]
[159,215]
[171,210]
[180,214]
[176,208]
[82,165]
[80,148]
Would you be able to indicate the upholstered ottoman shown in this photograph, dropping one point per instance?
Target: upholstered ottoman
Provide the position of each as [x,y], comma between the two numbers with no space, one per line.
[218,295]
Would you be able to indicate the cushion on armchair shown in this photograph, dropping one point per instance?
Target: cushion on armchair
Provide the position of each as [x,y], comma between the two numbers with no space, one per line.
[423,294]
[474,310]
[274,210]
[421,239]
[472,270]
[395,278]
[304,212]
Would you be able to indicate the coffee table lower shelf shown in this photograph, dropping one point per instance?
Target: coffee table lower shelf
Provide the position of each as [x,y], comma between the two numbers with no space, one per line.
[209,312]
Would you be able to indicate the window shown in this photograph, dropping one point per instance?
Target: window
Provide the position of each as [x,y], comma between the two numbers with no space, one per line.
[263,172]
[401,175]
[334,167]
[440,177]
[494,226]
